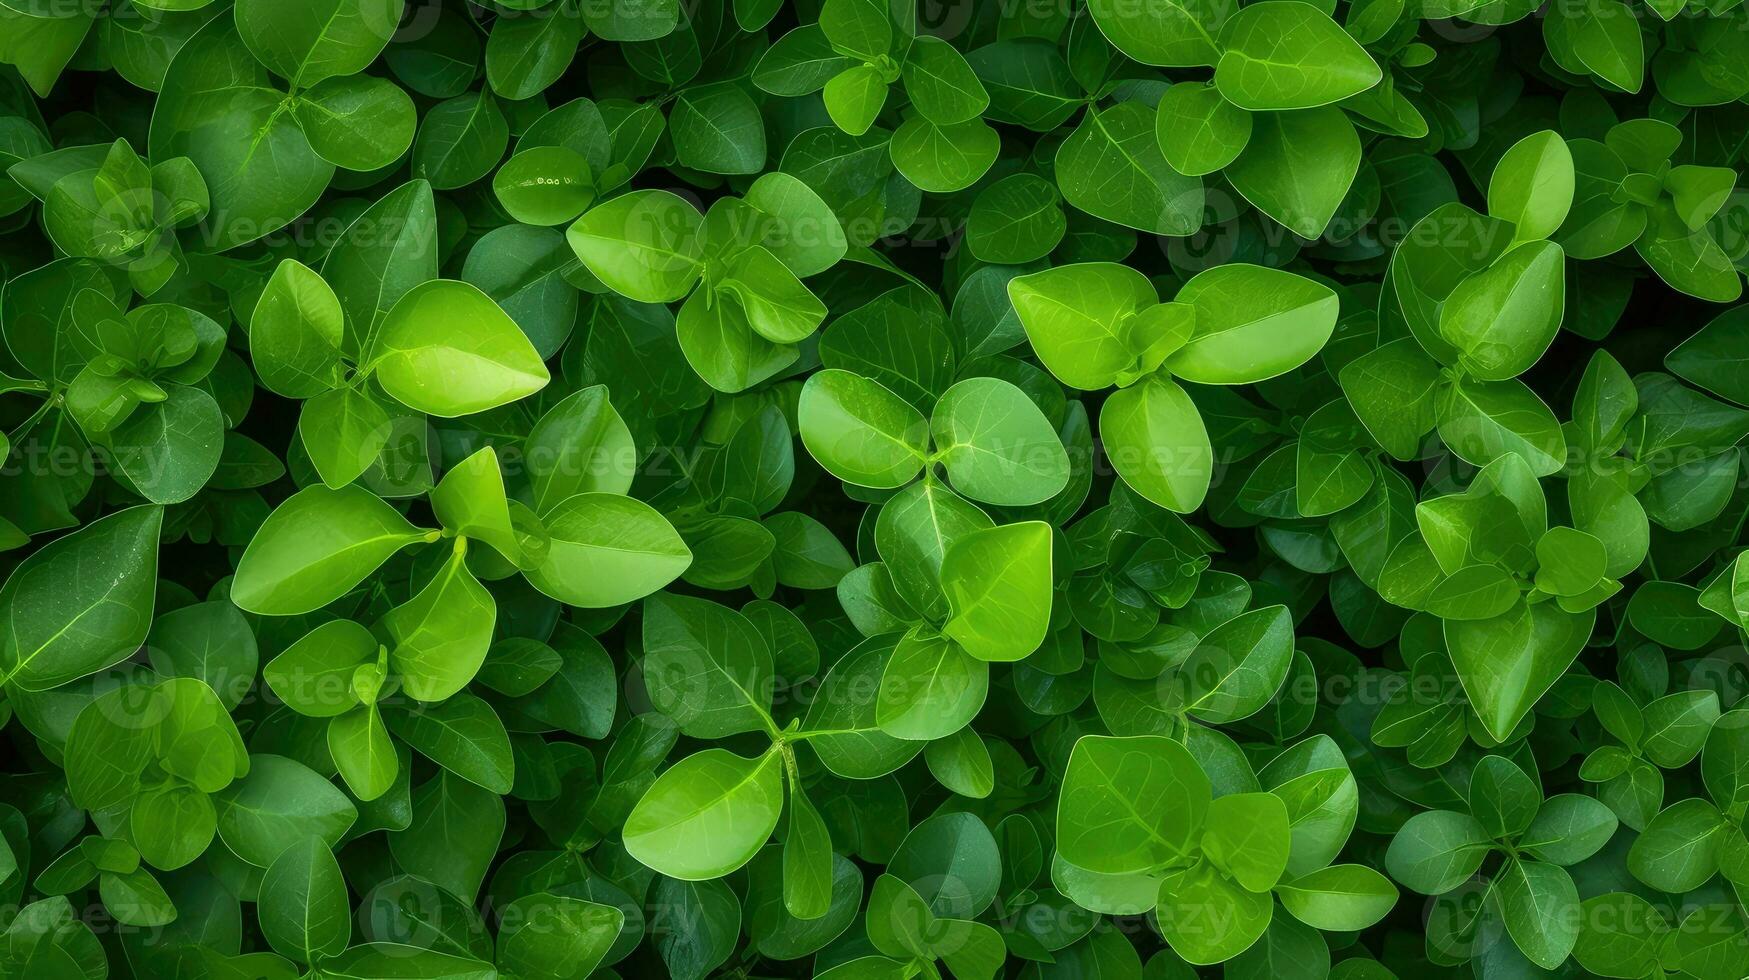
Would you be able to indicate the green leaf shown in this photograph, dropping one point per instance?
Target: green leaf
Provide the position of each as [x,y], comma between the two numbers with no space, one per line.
[1484,421]
[941,84]
[1247,837]
[83,602]
[706,667]
[776,304]
[42,46]
[998,584]
[1622,934]
[1503,797]
[169,451]
[1239,665]
[278,804]
[581,445]
[327,38]
[210,642]
[172,826]
[1569,562]
[1679,849]
[1340,898]
[721,346]
[357,122]
[470,501]
[1503,318]
[807,862]
[1532,186]
[303,907]
[452,835]
[1233,918]
[997,446]
[545,185]
[557,936]
[1082,320]
[460,140]
[1111,167]
[1298,166]
[1708,357]
[854,98]
[1474,592]
[1568,829]
[344,431]
[1252,324]
[439,638]
[961,762]
[375,959]
[1596,36]
[316,547]
[942,159]
[137,899]
[313,674]
[1508,662]
[861,432]
[1538,902]
[800,62]
[1285,54]
[1173,35]
[296,333]
[605,550]
[1155,439]
[447,349]
[363,752]
[930,689]
[1016,220]
[528,52]
[379,257]
[717,129]
[645,245]
[220,108]
[1130,805]
[841,720]
[1436,851]
[464,736]
[798,227]
[707,815]
[858,28]
[638,21]
[1199,131]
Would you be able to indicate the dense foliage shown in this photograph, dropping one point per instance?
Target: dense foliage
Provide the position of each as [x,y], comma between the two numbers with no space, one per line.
[871,489]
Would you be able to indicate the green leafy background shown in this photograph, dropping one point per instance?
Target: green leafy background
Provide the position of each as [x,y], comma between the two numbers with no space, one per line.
[873,489]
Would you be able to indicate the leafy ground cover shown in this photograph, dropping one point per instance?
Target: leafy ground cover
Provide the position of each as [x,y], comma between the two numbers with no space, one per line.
[873,489]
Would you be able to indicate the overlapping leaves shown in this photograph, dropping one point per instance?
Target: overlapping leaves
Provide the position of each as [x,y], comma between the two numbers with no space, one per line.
[864,489]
